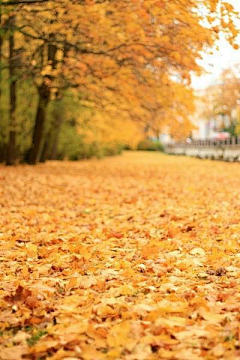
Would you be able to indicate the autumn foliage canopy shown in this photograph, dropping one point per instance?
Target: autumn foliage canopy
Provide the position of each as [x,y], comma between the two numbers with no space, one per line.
[126,61]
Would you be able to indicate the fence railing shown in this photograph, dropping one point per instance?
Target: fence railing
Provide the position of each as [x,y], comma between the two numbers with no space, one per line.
[233,141]
[228,150]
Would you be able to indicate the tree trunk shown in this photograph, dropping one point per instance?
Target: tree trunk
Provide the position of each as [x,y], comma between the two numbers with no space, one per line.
[1,45]
[11,156]
[44,97]
[53,154]
[45,148]
[49,149]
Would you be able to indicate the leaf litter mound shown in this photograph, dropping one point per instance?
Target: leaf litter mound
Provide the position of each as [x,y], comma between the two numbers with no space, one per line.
[135,257]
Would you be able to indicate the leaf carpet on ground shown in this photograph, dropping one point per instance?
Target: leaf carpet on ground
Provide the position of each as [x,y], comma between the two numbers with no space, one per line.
[133,257]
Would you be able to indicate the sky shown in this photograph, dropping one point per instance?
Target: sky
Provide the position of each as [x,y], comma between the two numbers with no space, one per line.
[220,60]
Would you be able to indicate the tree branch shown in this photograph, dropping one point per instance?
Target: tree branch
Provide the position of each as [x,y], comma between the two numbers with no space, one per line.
[21,2]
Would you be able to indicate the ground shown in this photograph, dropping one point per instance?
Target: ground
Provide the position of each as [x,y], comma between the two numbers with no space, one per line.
[134,257]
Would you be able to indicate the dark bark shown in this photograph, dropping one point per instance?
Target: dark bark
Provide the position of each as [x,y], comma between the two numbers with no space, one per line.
[11,156]
[23,2]
[44,92]
[1,45]
[52,52]
[44,97]
[53,154]
[45,148]
[3,153]
[49,149]
[3,146]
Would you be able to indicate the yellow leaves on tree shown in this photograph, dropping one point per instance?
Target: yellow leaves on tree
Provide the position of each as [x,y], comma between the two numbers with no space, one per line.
[101,128]
[119,47]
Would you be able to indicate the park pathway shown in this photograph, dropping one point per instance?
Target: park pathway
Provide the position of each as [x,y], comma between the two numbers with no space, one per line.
[135,257]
